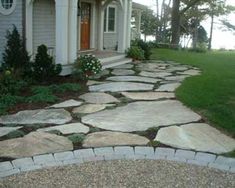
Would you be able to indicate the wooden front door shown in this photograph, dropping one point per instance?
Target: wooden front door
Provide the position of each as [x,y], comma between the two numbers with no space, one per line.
[85,25]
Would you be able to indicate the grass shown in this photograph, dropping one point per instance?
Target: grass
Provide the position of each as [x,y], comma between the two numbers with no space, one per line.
[211,94]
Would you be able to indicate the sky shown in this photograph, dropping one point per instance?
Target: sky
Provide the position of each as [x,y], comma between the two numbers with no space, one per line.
[221,39]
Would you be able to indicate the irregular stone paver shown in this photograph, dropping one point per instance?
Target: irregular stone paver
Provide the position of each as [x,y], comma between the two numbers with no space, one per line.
[68,128]
[52,116]
[152,67]
[168,87]
[139,116]
[133,78]
[121,86]
[93,82]
[176,78]
[34,143]
[68,103]
[107,138]
[196,136]
[101,74]
[98,98]
[90,108]
[155,74]
[124,66]
[5,130]
[191,72]
[177,68]
[148,95]
[122,72]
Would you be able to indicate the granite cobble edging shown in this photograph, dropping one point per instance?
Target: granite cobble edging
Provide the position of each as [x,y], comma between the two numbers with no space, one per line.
[115,153]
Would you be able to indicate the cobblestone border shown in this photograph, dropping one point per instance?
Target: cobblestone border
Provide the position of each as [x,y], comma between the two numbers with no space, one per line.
[115,153]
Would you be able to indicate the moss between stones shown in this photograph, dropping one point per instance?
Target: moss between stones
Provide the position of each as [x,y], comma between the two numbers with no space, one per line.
[15,134]
[76,138]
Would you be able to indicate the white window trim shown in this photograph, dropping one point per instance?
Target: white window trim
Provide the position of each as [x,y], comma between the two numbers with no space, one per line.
[8,11]
[107,20]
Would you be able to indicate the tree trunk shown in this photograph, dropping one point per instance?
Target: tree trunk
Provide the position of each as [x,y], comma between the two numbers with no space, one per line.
[211,31]
[175,23]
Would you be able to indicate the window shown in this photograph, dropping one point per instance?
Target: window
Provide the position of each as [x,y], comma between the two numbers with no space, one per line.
[110,19]
[7,6]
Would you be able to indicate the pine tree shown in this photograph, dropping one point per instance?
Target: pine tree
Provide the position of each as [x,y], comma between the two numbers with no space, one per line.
[15,55]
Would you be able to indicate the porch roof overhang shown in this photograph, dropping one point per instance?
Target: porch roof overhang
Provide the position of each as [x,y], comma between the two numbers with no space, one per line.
[139,7]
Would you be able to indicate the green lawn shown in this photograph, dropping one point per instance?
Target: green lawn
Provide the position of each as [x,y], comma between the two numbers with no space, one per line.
[213,93]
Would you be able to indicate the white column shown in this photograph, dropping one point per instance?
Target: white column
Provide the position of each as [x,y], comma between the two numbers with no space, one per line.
[62,7]
[128,38]
[73,32]
[29,26]
[122,20]
[138,21]
[100,27]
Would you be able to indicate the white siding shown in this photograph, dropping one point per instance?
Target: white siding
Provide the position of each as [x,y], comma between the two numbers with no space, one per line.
[111,39]
[43,24]
[6,22]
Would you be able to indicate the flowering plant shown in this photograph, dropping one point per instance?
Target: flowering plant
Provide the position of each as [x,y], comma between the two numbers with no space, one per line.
[88,65]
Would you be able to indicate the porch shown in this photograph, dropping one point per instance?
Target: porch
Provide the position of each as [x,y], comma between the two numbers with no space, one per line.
[69,26]
[108,59]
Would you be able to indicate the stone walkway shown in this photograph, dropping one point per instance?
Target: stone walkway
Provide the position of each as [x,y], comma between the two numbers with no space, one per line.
[129,105]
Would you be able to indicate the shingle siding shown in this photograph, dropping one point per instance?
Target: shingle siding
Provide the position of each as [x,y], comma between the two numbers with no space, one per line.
[43,23]
[7,22]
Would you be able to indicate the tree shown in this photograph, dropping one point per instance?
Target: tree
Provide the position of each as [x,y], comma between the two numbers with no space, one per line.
[176,17]
[148,23]
[15,55]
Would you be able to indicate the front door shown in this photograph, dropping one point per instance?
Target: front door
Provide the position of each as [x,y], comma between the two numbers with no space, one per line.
[85,25]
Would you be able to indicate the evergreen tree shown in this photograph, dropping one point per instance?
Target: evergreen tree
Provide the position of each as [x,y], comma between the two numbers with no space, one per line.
[15,55]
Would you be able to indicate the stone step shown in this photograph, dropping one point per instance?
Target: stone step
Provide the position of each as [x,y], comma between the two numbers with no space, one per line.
[117,62]
[112,58]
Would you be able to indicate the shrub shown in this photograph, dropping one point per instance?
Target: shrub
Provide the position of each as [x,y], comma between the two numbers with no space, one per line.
[146,47]
[42,94]
[77,138]
[7,100]
[9,84]
[15,56]
[62,88]
[43,68]
[87,65]
[135,53]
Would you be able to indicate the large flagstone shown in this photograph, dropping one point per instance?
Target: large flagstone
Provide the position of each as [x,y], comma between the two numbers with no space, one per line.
[122,72]
[90,108]
[196,136]
[155,74]
[133,79]
[139,116]
[168,87]
[50,116]
[66,104]
[148,96]
[98,98]
[67,128]
[108,138]
[121,86]
[124,66]
[35,143]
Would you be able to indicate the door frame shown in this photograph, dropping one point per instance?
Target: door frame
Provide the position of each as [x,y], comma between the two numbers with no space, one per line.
[93,23]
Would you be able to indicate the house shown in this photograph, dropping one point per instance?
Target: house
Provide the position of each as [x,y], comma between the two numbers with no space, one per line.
[69,27]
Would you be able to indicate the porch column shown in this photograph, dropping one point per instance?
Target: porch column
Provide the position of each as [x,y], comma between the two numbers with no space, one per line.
[138,21]
[100,27]
[73,31]
[62,13]
[128,38]
[29,26]
[122,30]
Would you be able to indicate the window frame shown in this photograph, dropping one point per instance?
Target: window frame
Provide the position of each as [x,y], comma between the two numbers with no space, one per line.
[9,11]
[106,29]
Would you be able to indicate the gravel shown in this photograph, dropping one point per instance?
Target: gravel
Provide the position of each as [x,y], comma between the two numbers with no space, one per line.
[125,173]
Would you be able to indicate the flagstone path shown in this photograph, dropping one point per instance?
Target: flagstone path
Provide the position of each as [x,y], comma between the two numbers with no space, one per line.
[127,110]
